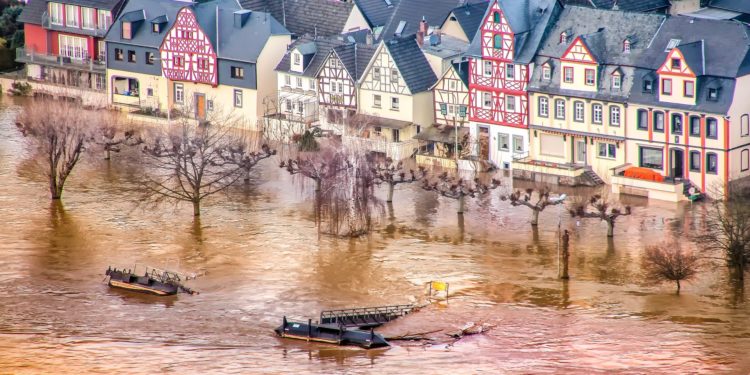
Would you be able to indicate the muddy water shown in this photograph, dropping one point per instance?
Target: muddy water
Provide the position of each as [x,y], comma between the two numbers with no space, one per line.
[260,258]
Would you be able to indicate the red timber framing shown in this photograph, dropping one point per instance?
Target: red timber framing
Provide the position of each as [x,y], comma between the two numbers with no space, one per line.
[488,75]
[335,85]
[187,53]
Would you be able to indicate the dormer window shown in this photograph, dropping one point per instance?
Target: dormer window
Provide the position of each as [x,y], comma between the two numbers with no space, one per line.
[546,72]
[672,44]
[155,27]
[676,63]
[626,46]
[563,37]
[127,30]
[296,59]
[616,81]
[648,86]
[713,94]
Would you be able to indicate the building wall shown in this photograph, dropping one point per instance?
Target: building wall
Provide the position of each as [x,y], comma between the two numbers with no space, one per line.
[356,21]
[422,113]
[453,28]
[452,98]
[225,74]
[739,130]
[579,76]
[267,81]
[366,100]
[139,66]
[222,97]
[436,63]
[156,83]
[35,38]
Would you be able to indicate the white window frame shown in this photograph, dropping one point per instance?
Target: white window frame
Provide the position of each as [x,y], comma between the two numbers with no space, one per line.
[616,81]
[487,68]
[578,111]
[395,104]
[606,150]
[179,93]
[560,109]
[377,101]
[503,143]
[543,106]
[237,98]
[56,11]
[88,18]
[74,21]
[546,73]
[510,103]
[73,47]
[103,19]
[596,113]
[614,115]
[486,103]
[510,71]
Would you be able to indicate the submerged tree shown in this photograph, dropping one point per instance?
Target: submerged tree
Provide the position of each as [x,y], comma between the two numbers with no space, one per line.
[58,133]
[393,173]
[459,188]
[112,133]
[669,262]
[726,228]
[320,165]
[599,207]
[189,163]
[535,199]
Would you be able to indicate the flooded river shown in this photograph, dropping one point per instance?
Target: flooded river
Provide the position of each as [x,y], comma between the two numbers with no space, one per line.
[260,258]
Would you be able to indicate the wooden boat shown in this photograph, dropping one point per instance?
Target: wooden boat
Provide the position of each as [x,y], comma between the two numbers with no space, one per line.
[152,281]
[331,334]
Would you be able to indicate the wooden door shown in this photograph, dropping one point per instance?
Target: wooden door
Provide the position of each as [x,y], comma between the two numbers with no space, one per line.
[200,107]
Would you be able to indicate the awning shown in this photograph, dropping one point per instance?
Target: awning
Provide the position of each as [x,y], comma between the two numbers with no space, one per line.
[577,133]
[442,133]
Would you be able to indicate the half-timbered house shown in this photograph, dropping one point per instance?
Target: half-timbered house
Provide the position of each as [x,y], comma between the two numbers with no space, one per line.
[500,62]
[337,83]
[395,100]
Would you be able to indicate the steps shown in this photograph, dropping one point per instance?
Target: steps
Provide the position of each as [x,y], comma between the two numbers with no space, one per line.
[593,177]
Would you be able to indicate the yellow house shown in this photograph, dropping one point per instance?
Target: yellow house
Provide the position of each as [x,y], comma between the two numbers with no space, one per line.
[578,95]
[395,101]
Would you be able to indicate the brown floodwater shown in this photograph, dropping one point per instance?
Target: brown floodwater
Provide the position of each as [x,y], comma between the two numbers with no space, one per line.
[260,257]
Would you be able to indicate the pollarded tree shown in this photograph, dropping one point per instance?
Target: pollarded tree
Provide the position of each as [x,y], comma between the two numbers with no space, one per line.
[459,188]
[325,163]
[535,199]
[112,133]
[669,262]
[393,173]
[599,207]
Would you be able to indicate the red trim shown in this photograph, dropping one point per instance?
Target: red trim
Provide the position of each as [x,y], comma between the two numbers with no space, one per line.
[572,74]
[586,48]
[585,77]
[579,61]
[650,124]
[671,88]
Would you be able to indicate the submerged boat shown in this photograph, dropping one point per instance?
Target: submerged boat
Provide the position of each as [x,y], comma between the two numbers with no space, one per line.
[151,281]
[331,334]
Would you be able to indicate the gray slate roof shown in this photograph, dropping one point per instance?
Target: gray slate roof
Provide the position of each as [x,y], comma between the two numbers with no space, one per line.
[323,47]
[33,10]
[377,12]
[314,17]
[355,57]
[719,106]
[412,12]
[626,5]
[740,6]
[529,20]
[411,62]
[469,17]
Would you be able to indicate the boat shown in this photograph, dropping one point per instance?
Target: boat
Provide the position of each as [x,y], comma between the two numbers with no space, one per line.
[331,334]
[151,281]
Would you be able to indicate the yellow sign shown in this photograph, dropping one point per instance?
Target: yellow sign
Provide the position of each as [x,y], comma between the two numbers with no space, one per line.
[439,285]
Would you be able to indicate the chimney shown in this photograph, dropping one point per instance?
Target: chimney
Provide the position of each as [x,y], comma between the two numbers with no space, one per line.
[423,26]
[368,39]
[240,17]
[420,38]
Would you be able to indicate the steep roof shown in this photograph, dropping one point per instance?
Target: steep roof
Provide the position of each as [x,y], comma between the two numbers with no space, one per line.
[322,48]
[626,5]
[721,105]
[462,70]
[411,12]
[469,16]
[33,10]
[355,57]
[377,12]
[740,6]
[411,63]
[604,32]
[529,20]
[314,17]
[148,9]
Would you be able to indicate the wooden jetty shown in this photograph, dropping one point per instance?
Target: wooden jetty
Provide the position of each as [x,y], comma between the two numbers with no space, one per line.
[364,317]
[330,334]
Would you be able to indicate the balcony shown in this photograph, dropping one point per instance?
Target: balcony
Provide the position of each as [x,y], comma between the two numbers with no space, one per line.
[95,32]
[569,174]
[87,65]
[666,190]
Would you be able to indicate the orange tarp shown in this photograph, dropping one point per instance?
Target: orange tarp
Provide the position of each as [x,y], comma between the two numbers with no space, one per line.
[643,174]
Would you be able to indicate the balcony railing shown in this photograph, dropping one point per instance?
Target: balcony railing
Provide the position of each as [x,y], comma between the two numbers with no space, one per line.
[395,150]
[30,56]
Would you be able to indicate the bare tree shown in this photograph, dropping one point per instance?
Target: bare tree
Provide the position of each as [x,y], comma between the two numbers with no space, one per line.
[669,262]
[112,133]
[459,188]
[189,163]
[526,198]
[726,228]
[393,173]
[599,207]
[319,165]
[58,132]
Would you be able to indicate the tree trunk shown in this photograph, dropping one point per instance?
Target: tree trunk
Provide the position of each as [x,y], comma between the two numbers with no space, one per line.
[610,228]
[565,255]
[196,207]
[317,184]
[390,193]
[461,204]
[534,216]
[678,286]
[107,156]
[247,176]
[54,190]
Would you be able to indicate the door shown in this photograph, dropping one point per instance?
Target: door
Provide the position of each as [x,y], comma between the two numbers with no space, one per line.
[678,164]
[200,106]
[581,151]
[484,143]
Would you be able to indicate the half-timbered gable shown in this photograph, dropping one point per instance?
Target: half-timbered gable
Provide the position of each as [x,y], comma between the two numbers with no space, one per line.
[579,64]
[383,74]
[451,93]
[678,74]
[187,53]
[339,74]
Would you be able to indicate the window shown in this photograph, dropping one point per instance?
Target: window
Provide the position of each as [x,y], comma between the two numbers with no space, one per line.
[543,106]
[376,101]
[498,41]
[503,145]
[578,111]
[552,145]
[394,103]
[745,160]
[300,107]
[149,92]
[713,94]
[712,128]
[155,28]
[55,13]
[395,135]
[614,115]
[179,93]
[131,56]
[563,37]
[666,86]
[546,73]
[296,58]
[376,74]
[590,80]
[462,111]
[626,46]
[238,98]
[560,109]
[676,63]
[210,105]
[744,125]
[676,123]
[596,113]
[487,100]
[648,86]
[178,61]
[71,15]
[150,58]
[289,107]
[104,19]
[202,63]
[517,143]
[394,76]
[341,86]
[642,119]
[616,81]
[510,71]
[299,82]
[311,82]
[496,17]
[510,103]
[607,150]
[287,79]
[127,30]
[689,89]
[73,47]
[712,163]
[89,18]
[651,158]
[695,161]
[672,44]
[237,72]
[659,122]
[118,54]
[443,109]
[695,126]
[568,74]
[102,49]
[488,68]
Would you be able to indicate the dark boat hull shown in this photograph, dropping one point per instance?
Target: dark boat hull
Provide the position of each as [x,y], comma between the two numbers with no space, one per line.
[140,284]
[331,334]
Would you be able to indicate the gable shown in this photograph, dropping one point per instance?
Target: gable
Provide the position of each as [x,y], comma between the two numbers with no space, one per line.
[578,51]
[676,64]
[186,52]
